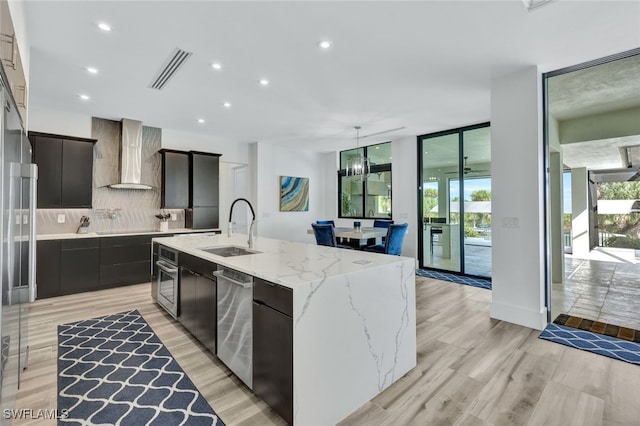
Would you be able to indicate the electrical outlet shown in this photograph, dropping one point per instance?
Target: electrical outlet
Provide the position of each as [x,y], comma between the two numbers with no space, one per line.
[174,216]
[25,219]
[62,218]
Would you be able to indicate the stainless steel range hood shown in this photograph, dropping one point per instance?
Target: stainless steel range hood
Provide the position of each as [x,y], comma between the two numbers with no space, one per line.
[131,156]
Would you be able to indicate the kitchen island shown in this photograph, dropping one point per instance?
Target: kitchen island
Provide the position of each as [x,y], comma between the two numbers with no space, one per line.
[353,317]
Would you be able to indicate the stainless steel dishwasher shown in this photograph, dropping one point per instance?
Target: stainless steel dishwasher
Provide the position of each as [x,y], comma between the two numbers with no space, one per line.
[235,317]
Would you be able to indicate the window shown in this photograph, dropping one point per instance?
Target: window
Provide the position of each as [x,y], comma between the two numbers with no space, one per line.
[371,198]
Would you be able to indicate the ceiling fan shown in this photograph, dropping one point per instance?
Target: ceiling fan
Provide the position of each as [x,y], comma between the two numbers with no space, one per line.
[466,169]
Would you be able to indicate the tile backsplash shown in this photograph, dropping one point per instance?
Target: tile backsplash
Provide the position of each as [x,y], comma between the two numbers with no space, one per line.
[101,220]
[133,210]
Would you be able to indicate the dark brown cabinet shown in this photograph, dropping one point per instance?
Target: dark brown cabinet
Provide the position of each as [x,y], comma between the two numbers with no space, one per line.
[124,260]
[198,294]
[47,154]
[79,265]
[65,170]
[273,346]
[204,179]
[48,268]
[175,179]
[204,190]
[85,264]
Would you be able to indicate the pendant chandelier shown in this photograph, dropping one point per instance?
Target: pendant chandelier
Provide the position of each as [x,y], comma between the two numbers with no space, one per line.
[358,166]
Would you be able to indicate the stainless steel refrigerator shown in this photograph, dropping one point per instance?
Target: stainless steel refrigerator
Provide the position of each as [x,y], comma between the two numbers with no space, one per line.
[17,251]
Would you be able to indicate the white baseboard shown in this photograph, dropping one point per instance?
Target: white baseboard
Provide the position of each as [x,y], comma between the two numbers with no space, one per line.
[518,315]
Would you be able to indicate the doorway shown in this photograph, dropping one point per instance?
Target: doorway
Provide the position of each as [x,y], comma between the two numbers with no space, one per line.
[455,200]
[593,140]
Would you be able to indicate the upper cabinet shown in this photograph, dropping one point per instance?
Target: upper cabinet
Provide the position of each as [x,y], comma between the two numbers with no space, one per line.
[204,179]
[175,179]
[65,170]
[11,60]
[190,180]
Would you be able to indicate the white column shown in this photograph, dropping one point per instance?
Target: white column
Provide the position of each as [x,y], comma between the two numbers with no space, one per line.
[517,199]
[580,211]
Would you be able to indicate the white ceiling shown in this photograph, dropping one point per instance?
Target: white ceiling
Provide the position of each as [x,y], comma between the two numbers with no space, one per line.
[422,65]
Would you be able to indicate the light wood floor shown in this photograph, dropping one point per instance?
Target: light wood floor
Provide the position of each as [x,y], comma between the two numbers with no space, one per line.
[472,370]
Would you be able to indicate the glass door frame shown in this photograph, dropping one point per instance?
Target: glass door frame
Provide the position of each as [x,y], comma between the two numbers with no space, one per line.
[420,225]
[547,155]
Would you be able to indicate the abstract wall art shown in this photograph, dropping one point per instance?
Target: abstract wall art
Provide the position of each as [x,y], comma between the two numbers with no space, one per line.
[294,194]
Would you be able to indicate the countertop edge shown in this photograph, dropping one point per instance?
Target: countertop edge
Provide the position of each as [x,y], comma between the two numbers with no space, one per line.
[70,236]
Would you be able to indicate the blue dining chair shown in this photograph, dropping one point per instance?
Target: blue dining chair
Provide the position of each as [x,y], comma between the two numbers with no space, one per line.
[382,223]
[326,222]
[393,241]
[326,235]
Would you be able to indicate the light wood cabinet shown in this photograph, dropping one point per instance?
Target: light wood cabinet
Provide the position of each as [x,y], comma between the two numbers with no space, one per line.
[12,61]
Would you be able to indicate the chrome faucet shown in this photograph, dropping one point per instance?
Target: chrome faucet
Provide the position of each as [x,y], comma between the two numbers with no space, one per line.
[253,220]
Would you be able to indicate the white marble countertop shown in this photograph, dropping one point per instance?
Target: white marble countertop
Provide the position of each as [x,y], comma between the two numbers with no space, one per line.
[283,262]
[44,237]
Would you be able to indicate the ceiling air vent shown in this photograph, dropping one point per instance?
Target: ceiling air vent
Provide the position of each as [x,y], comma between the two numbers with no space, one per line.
[174,62]
[532,5]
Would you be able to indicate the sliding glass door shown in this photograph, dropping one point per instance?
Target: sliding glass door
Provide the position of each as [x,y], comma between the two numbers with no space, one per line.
[455,198]
[440,218]
[476,176]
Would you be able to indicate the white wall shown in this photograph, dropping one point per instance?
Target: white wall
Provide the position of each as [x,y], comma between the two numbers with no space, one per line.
[517,199]
[59,122]
[404,181]
[236,152]
[75,124]
[274,161]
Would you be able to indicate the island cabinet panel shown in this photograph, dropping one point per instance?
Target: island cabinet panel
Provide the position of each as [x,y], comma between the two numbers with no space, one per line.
[175,179]
[79,265]
[65,170]
[48,268]
[273,346]
[198,294]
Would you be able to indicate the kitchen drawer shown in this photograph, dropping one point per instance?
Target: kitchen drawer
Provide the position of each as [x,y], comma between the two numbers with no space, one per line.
[125,254]
[80,243]
[125,273]
[125,241]
[196,264]
[273,295]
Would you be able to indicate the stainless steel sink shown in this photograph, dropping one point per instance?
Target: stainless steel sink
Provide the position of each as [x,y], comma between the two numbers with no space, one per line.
[229,251]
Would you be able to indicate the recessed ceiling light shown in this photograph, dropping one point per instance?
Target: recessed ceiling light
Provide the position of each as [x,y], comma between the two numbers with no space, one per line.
[377,147]
[264,82]
[324,44]
[216,66]
[84,97]
[201,120]
[104,27]
[92,70]
[227,105]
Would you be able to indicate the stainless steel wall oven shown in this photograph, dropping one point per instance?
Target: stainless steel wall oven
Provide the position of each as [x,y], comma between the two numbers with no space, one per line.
[167,280]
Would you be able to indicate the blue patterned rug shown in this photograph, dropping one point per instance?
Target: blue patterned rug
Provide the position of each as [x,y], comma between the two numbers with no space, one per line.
[460,279]
[593,342]
[115,370]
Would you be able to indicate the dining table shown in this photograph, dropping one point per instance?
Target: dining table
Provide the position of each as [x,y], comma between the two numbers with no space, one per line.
[360,237]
